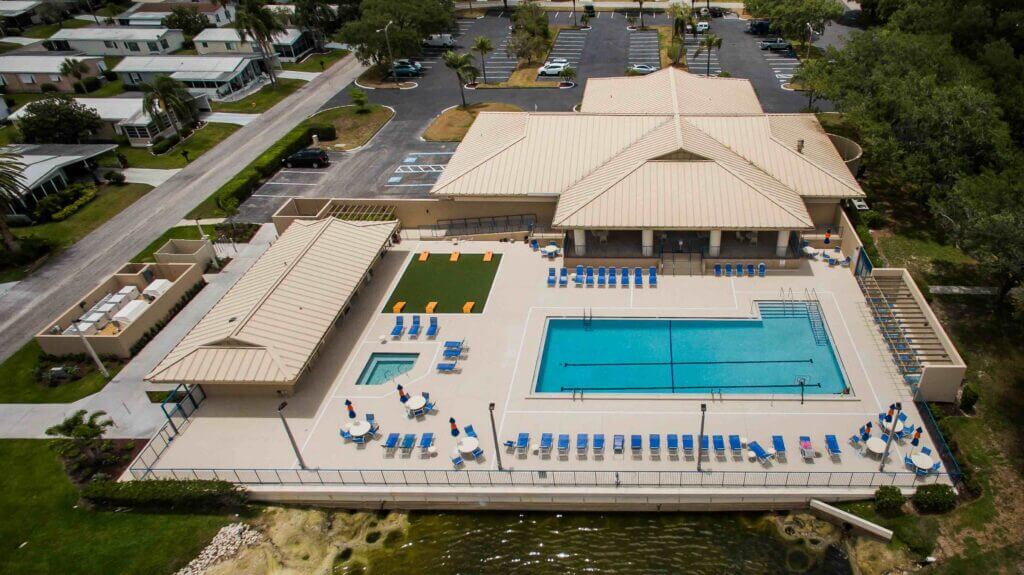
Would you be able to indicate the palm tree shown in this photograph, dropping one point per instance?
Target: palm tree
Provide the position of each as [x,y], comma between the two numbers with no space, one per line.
[253,19]
[641,14]
[166,96]
[75,68]
[12,186]
[708,42]
[568,74]
[315,16]
[459,63]
[482,44]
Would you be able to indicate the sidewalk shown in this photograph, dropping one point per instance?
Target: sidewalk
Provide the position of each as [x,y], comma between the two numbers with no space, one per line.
[147,176]
[229,118]
[124,398]
[307,76]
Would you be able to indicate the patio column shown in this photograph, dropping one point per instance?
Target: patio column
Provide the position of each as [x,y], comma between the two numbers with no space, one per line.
[647,242]
[715,244]
[579,240]
[782,243]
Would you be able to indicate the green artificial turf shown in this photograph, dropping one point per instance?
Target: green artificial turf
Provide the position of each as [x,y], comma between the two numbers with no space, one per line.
[450,284]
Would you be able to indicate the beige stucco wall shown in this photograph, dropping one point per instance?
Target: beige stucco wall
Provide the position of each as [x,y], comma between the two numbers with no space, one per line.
[823,213]
[183,276]
[199,252]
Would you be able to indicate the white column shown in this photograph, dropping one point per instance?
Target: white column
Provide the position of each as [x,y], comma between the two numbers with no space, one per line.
[782,243]
[715,244]
[647,242]
[579,238]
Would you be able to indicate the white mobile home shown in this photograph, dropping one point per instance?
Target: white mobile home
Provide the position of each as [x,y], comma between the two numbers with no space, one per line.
[290,46]
[117,41]
[153,14]
[213,76]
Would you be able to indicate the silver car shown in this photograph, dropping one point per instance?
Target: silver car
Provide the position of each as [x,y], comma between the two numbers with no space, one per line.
[642,69]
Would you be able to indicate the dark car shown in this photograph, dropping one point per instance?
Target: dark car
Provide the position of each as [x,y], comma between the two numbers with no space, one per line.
[716,11]
[407,69]
[758,27]
[310,157]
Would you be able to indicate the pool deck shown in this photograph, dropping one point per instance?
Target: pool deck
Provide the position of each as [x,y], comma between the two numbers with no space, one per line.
[503,352]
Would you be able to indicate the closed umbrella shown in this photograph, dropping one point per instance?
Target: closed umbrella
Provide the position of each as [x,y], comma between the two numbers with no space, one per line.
[351,409]
[455,428]
[401,394]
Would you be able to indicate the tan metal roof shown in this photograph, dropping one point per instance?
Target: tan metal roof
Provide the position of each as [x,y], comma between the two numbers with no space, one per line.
[670,91]
[268,325]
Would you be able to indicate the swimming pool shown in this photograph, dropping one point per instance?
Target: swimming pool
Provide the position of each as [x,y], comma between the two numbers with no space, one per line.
[383,367]
[767,356]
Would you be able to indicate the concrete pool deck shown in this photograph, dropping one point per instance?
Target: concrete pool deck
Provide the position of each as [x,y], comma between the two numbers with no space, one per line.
[239,432]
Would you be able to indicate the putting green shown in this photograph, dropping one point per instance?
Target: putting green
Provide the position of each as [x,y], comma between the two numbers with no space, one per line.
[450,284]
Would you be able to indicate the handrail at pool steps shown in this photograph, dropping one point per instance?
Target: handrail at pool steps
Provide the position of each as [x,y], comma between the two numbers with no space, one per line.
[162,439]
[543,478]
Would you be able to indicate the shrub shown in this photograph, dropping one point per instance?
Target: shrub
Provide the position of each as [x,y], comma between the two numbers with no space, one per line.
[92,83]
[79,87]
[116,178]
[935,498]
[889,501]
[872,219]
[166,144]
[53,203]
[86,197]
[48,88]
[969,397]
[110,75]
[32,249]
[181,495]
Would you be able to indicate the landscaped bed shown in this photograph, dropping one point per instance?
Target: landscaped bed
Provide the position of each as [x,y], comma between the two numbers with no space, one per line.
[354,129]
[450,284]
[225,232]
[200,142]
[23,379]
[452,124]
[108,202]
[263,100]
[317,62]
[377,77]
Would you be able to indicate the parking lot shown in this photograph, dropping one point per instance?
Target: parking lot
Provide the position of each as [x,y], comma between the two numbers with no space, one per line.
[643,48]
[569,46]
[418,169]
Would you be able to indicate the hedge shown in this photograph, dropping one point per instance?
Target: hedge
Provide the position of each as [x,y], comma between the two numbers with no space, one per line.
[165,144]
[92,83]
[934,498]
[86,197]
[183,495]
[889,501]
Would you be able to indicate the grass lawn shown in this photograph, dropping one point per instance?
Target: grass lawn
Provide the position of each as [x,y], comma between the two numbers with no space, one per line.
[354,129]
[177,233]
[186,52]
[22,99]
[452,124]
[109,89]
[263,100]
[450,284]
[7,134]
[198,144]
[313,63]
[109,201]
[19,385]
[47,30]
[8,46]
[54,535]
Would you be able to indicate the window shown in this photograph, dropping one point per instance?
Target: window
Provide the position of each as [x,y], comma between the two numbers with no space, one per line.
[109,44]
[55,77]
[153,47]
[216,17]
[164,44]
[204,44]
[229,45]
[27,78]
[132,46]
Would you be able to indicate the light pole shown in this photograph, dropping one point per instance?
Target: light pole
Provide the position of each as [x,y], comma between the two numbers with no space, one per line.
[700,438]
[92,352]
[288,430]
[892,430]
[391,56]
[810,36]
[494,434]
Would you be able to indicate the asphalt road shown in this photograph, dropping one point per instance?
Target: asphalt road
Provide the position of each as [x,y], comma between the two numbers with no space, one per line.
[31,304]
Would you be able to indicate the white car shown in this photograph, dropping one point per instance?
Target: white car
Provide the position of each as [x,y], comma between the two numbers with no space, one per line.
[642,69]
[703,27]
[554,67]
[439,41]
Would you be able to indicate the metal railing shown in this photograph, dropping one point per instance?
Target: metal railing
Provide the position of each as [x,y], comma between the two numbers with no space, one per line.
[526,223]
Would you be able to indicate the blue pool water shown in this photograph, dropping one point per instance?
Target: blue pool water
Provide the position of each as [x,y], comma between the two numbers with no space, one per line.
[383,367]
[766,356]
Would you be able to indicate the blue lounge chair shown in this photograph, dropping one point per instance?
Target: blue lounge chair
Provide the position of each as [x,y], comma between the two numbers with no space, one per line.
[523,441]
[578,278]
[392,441]
[399,327]
[778,444]
[598,443]
[426,440]
[446,367]
[728,270]
[750,270]
[563,443]
[672,442]
[759,451]
[832,445]
[452,353]
[478,453]
[581,442]
[739,270]
[414,329]
[704,443]
[546,439]
[734,443]
[432,327]
[652,277]
[346,435]
[636,442]
[551,277]
[624,277]
[534,245]
[719,443]
[618,443]
[408,441]
[718,270]
[563,277]
[611,277]
[654,442]
[638,277]
[761,269]
[470,432]
[454,343]
[687,443]
[590,276]
[457,460]
[601,277]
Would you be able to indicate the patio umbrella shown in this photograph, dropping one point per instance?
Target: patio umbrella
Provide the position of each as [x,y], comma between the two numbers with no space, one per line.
[351,409]
[401,394]
[455,428]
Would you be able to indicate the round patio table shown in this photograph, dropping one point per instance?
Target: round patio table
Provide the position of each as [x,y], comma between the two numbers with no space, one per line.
[468,444]
[922,461]
[359,428]
[875,445]
[548,250]
[416,402]
[886,425]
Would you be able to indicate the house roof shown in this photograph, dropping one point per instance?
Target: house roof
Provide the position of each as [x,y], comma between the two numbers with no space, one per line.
[42,160]
[37,64]
[670,91]
[289,36]
[201,7]
[109,109]
[12,8]
[141,34]
[185,67]
[269,324]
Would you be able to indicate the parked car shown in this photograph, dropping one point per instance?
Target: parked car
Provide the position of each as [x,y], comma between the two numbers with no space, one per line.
[775,45]
[409,62]
[703,27]
[439,41]
[758,27]
[554,67]
[406,69]
[716,11]
[642,69]
[588,9]
[309,157]
[705,13]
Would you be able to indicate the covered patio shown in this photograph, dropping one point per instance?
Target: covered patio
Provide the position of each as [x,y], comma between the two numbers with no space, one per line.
[596,243]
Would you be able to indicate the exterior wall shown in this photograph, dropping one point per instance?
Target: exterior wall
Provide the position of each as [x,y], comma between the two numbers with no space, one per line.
[183,276]
[199,252]
[63,83]
[850,151]
[219,47]
[174,39]
[132,79]
[823,214]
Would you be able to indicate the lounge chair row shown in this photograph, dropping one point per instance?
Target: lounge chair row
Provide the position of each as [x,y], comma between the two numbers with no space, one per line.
[407,442]
[414,329]
[605,277]
[453,351]
[762,269]
[672,443]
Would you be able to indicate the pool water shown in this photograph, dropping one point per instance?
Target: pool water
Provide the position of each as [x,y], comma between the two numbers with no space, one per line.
[770,355]
[383,367]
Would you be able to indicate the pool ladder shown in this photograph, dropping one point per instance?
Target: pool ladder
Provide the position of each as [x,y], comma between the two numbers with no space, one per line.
[588,317]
